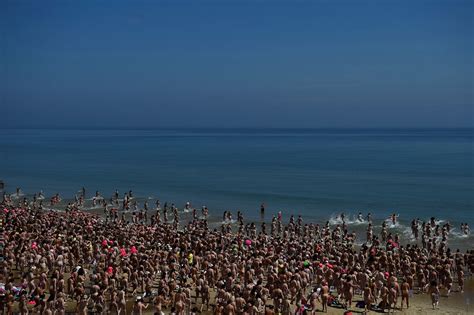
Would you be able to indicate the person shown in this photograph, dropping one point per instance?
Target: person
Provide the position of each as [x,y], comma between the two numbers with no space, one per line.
[313,300]
[460,280]
[368,298]
[467,229]
[159,301]
[405,293]
[392,298]
[262,208]
[325,295]
[139,306]
[433,291]
[394,218]
[82,305]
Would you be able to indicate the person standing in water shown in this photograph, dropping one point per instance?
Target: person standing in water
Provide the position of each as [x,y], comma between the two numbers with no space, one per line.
[394,217]
[369,217]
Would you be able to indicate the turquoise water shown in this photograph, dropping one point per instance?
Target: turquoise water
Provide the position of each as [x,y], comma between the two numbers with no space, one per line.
[316,173]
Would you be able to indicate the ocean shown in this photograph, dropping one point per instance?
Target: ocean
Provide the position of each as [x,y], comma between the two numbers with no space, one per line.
[316,173]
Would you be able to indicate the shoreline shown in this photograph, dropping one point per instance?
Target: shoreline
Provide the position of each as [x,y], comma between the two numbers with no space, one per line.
[461,242]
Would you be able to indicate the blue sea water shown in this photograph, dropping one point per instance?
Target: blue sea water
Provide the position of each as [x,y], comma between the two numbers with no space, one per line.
[312,172]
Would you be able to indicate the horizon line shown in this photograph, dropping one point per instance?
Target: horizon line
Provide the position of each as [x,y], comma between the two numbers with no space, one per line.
[229,128]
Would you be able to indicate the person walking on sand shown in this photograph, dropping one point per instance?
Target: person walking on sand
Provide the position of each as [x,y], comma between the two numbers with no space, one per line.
[325,295]
[405,293]
[313,298]
[368,297]
[139,306]
[433,291]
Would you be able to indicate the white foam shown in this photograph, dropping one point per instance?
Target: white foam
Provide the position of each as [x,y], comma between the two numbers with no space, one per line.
[354,220]
[93,207]
[335,220]
[229,221]
[458,234]
[17,196]
[96,198]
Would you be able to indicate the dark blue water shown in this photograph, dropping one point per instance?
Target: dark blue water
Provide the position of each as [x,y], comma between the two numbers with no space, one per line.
[417,173]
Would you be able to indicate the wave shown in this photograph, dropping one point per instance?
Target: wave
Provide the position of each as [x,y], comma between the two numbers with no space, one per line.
[17,196]
[392,225]
[406,232]
[93,207]
[229,221]
[458,234]
[96,198]
[354,220]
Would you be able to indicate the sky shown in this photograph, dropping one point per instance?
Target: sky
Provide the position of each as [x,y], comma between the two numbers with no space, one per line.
[260,63]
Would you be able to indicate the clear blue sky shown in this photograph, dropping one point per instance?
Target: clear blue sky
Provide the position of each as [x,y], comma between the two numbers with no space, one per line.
[237,63]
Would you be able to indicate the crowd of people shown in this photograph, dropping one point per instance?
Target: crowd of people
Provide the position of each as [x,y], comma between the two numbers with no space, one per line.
[136,260]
